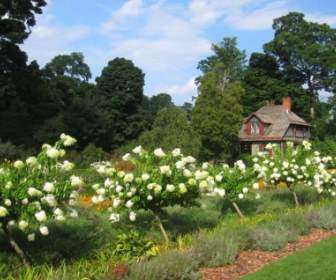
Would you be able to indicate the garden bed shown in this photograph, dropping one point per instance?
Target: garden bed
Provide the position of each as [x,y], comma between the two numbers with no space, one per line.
[252,260]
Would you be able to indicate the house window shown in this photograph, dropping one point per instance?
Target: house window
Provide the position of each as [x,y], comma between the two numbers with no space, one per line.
[299,132]
[255,129]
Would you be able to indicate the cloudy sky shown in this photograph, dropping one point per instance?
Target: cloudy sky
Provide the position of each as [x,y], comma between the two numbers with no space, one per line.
[165,38]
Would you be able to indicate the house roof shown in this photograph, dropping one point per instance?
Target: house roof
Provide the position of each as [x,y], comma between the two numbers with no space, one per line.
[279,120]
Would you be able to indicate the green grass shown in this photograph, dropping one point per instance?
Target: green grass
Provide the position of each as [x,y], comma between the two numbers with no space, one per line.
[316,262]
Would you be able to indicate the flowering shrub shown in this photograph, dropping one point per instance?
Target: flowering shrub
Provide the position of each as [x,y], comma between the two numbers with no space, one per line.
[293,166]
[232,182]
[37,190]
[159,179]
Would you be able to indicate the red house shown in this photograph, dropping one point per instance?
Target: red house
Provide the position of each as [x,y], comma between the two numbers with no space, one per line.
[275,124]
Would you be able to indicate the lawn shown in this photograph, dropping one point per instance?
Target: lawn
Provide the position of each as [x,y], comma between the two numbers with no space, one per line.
[316,262]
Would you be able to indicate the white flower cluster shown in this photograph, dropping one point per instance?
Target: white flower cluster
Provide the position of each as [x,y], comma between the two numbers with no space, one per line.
[159,179]
[28,203]
[296,165]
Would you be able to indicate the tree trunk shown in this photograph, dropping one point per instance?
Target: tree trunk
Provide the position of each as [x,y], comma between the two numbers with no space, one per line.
[25,260]
[297,204]
[163,231]
[236,207]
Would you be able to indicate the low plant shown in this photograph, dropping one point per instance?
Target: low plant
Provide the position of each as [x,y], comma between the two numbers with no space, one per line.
[172,265]
[133,246]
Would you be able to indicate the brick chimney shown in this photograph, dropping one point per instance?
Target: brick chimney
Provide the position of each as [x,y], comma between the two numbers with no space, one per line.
[287,103]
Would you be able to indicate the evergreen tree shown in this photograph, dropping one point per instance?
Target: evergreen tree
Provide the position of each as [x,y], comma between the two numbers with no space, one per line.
[217,116]
[118,97]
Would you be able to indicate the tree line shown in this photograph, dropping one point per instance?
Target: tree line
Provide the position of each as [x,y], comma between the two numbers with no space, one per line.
[39,103]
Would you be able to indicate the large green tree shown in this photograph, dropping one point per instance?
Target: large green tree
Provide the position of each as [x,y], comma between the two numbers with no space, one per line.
[306,52]
[16,19]
[229,56]
[118,97]
[71,65]
[264,81]
[171,129]
[217,116]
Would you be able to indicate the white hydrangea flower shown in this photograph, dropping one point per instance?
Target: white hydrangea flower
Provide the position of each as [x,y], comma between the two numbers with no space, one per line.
[31,237]
[129,204]
[240,196]
[159,152]
[245,190]
[114,218]
[8,202]
[41,216]
[132,216]
[67,140]
[126,157]
[145,177]
[182,188]
[44,230]
[3,212]
[176,152]
[53,153]
[49,187]
[129,177]
[67,165]
[165,170]
[76,181]
[31,161]
[34,192]
[170,188]
[18,164]
[137,150]
[23,225]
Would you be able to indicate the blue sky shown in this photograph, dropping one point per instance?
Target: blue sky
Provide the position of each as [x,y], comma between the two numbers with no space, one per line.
[165,38]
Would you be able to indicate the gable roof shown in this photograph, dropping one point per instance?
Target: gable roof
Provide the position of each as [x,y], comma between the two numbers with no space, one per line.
[279,119]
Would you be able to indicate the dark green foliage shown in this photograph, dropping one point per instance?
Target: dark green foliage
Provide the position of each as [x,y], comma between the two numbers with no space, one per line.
[217,116]
[72,65]
[118,95]
[263,81]
[305,51]
[171,129]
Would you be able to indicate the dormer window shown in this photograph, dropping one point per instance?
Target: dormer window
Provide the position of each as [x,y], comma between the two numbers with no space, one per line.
[255,127]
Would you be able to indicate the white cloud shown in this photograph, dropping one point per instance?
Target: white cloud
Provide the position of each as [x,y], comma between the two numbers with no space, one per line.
[328,19]
[208,11]
[182,92]
[129,9]
[48,39]
[258,19]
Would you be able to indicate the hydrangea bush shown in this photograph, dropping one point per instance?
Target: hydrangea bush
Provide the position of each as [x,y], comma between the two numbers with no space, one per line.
[159,179]
[37,190]
[296,165]
[233,183]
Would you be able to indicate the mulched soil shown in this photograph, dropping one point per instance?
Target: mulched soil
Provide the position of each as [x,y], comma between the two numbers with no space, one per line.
[252,260]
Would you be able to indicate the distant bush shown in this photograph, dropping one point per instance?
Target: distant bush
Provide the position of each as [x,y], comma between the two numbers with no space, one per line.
[327,146]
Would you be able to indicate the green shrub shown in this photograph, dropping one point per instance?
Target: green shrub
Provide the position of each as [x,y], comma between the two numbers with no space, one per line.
[215,249]
[172,265]
[133,245]
[323,218]
[269,237]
